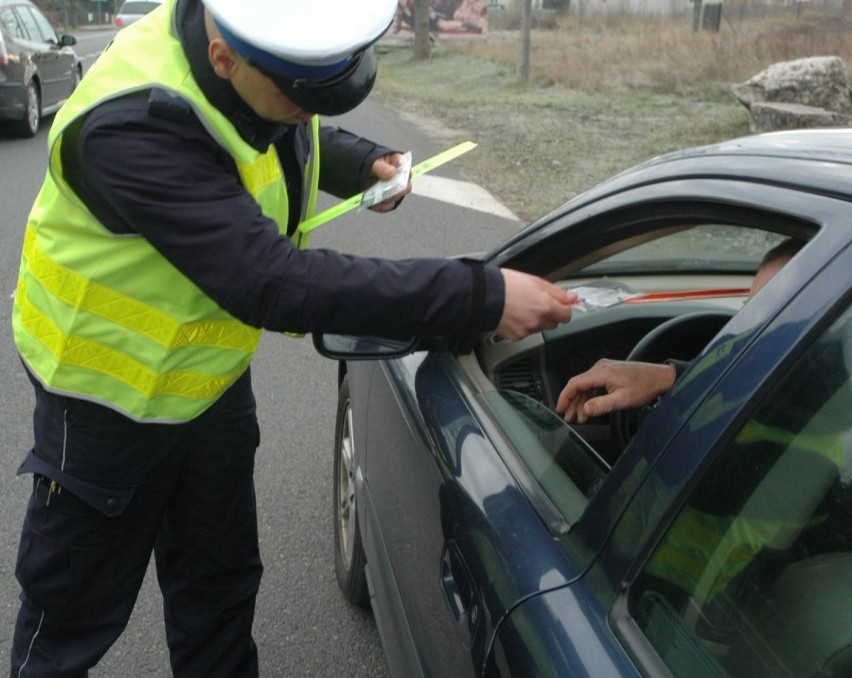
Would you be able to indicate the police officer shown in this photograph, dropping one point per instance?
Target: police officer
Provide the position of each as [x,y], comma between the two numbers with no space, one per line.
[166,236]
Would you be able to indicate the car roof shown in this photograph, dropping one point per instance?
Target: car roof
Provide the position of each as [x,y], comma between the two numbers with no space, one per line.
[814,160]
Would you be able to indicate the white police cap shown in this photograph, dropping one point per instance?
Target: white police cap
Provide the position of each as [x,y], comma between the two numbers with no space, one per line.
[306,32]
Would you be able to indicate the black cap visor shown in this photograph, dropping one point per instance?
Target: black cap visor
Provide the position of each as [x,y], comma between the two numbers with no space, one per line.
[334,95]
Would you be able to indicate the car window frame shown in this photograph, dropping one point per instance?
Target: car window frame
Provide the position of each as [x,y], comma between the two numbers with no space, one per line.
[630,636]
[656,215]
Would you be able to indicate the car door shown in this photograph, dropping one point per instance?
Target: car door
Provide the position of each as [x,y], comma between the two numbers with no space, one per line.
[456,541]
[63,79]
[45,56]
[746,569]
[12,70]
[732,510]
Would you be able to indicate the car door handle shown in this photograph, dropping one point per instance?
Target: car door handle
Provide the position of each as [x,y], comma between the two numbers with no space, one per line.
[460,593]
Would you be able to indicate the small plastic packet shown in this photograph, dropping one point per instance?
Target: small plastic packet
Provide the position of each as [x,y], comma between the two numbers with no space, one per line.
[382,190]
[594,297]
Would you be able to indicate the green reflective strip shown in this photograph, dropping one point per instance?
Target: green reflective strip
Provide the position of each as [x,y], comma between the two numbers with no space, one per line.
[84,353]
[355,200]
[442,158]
[331,213]
[76,291]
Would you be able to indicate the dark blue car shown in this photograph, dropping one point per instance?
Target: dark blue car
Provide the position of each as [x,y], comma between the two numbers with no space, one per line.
[709,534]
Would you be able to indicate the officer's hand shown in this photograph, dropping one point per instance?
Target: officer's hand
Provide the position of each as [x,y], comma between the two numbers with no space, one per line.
[384,169]
[532,304]
[627,384]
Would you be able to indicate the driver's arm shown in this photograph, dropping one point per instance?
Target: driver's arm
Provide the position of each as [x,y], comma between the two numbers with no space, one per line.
[627,384]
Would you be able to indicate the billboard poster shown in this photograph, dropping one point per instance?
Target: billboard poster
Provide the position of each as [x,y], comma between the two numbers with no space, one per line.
[447,19]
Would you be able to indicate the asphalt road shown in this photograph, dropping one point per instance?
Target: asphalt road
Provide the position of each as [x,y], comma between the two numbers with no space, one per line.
[303,626]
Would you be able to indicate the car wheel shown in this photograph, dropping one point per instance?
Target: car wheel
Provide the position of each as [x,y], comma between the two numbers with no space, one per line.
[28,126]
[349,556]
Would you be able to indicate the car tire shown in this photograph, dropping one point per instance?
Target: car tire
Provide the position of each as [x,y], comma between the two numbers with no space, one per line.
[28,126]
[349,557]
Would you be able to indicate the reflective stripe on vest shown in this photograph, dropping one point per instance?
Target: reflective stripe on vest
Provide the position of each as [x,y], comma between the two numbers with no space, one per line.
[107,318]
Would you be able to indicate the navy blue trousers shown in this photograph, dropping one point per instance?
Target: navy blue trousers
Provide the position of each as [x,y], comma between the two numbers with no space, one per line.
[107,492]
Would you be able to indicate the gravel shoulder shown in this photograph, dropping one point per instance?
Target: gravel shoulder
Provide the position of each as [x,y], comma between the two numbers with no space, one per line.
[540,146]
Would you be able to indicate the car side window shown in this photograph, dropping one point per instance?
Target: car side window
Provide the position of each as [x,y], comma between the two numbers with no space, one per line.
[10,22]
[29,23]
[754,576]
[562,465]
[47,31]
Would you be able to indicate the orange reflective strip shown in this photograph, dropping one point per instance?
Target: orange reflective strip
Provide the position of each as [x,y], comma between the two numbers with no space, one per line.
[680,295]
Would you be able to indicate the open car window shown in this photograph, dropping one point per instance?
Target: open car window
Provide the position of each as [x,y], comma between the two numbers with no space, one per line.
[754,576]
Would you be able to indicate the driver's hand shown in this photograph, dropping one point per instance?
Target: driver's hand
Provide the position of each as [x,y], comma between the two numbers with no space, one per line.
[627,384]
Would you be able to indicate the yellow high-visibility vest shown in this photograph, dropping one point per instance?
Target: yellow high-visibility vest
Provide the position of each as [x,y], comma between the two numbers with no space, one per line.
[106,318]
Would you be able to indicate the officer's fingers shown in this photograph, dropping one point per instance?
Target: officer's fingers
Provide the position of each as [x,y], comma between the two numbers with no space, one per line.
[393,202]
[531,304]
[562,296]
[385,167]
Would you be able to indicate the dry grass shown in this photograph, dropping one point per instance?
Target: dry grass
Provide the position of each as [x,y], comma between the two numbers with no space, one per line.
[664,54]
[605,93]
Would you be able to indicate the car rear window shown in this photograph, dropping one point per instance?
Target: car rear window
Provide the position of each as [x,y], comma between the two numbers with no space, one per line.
[138,7]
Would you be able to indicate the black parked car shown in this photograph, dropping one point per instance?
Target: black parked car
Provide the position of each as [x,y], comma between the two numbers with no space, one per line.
[38,68]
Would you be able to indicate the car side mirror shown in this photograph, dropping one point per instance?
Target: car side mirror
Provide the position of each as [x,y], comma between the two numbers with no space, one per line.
[351,347]
[67,40]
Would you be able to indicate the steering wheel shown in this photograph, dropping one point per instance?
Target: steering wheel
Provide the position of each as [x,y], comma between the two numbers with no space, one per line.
[679,338]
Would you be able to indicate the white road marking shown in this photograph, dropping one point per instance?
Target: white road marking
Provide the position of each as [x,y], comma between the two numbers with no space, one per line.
[461,193]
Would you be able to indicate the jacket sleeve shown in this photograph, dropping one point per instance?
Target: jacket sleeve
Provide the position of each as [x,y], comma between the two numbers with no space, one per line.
[346,160]
[167,181]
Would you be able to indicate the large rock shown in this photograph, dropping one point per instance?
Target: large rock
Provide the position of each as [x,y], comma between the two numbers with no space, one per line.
[769,117]
[814,81]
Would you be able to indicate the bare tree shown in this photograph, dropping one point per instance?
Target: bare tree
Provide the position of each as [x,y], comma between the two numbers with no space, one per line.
[422,39]
[524,42]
